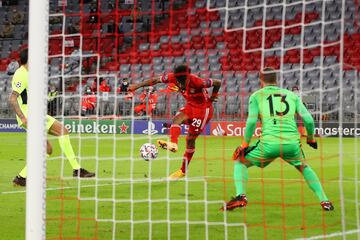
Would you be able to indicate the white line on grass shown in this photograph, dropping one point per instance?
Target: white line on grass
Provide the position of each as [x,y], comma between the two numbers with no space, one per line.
[154,180]
[331,235]
[102,185]
[58,188]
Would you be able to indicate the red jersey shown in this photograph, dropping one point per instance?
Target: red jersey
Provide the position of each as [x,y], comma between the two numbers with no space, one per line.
[152,99]
[88,102]
[104,88]
[195,92]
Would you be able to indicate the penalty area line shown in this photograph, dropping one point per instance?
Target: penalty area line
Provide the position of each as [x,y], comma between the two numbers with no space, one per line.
[331,235]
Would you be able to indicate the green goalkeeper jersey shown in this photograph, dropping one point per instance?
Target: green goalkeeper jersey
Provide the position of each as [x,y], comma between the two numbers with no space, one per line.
[277,109]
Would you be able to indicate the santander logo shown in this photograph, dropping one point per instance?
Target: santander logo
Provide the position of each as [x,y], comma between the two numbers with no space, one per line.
[231,129]
[218,131]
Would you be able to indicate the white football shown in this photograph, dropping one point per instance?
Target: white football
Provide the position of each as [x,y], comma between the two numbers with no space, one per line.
[148,151]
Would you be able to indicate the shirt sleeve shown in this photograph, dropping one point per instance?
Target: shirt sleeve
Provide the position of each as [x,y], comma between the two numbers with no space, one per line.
[18,84]
[208,83]
[306,116]
[252,119]
[167,78]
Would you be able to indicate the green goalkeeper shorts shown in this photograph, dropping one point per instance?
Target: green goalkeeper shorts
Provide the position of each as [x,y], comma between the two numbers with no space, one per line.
[49,119]
[262,154]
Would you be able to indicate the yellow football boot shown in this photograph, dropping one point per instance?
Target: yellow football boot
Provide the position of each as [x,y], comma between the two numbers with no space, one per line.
[176,175]
[167,145]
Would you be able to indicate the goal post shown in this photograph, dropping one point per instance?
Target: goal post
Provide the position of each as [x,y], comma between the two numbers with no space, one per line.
[36,134]
[300,27]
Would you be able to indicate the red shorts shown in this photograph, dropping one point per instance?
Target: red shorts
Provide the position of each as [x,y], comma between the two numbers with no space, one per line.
[87,106]
[197,118]
[139,108]
[142,107]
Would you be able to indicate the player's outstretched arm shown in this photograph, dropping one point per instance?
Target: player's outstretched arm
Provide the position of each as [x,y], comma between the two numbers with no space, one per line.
[249,129]
[216,88]
[15,106]
[308,123]
[251,119]
[145,83]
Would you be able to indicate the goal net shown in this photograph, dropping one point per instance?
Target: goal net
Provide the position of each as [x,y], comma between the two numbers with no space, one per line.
[97,48]
[310,44]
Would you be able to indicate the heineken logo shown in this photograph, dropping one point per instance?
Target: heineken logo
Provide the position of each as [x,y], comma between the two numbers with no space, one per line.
[123,128]
[98,127]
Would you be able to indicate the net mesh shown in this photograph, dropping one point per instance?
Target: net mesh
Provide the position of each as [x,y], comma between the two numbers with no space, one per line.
[97,46]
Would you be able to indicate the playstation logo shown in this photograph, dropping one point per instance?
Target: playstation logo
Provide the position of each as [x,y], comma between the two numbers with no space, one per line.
[150,129]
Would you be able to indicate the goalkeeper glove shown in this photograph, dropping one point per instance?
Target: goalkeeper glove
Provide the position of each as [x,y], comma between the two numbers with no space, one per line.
[312,143]
[240,151]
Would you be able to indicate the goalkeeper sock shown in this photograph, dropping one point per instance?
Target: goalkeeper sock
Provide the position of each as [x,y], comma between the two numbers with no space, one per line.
[175,131]
[23,172]
[66,147]
[240,178]
[187,158]
[314,183]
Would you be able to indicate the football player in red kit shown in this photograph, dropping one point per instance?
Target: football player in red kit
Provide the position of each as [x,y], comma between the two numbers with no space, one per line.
[148,105]
[88,102]
[196,113]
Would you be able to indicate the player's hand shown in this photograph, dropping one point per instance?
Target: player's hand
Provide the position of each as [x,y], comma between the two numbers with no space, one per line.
[240,151]
[24,121]
[214,98]
[312,143]
[132,88]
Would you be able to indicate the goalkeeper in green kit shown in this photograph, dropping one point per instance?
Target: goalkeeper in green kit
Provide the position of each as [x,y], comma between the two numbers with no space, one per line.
[276,108]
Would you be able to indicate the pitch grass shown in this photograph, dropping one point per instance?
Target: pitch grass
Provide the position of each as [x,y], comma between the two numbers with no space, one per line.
[280,204]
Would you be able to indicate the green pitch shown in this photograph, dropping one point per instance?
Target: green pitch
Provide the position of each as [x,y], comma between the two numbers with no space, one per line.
[280,204]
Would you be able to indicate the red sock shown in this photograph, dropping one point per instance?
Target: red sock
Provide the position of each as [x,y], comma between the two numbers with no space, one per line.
[187,158]
[175,131]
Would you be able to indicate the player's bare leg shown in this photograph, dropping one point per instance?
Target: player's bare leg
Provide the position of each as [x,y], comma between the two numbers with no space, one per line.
[58,129]
[189,152]
[175,131]
[314,184]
